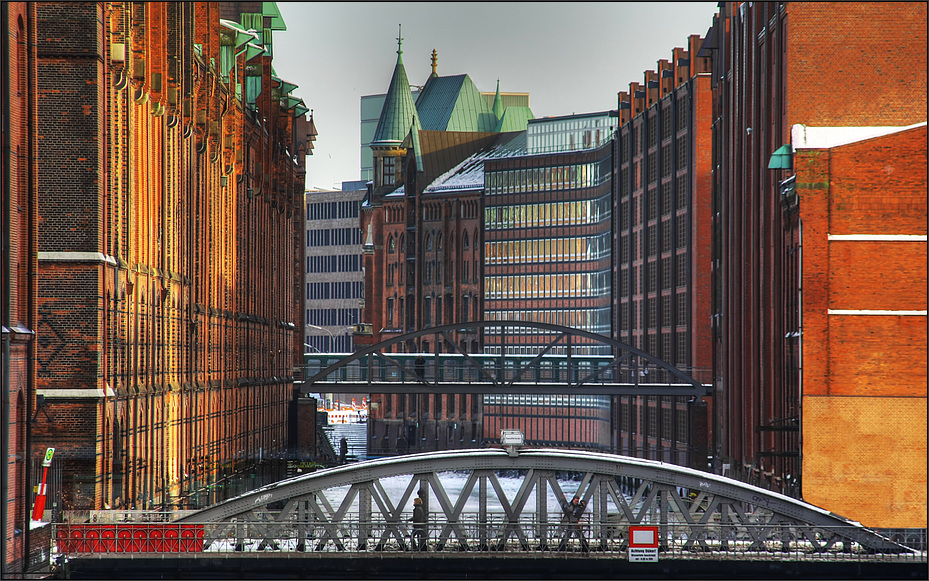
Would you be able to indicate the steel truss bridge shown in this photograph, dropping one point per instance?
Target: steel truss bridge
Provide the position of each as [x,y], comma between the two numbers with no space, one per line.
[350,509]
[562,365]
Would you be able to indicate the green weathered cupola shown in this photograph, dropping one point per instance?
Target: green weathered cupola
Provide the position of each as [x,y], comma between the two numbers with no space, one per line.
[399,111]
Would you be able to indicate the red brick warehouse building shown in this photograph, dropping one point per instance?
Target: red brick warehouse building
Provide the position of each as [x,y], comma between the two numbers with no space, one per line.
[819,253]
[661,290]
[171,179]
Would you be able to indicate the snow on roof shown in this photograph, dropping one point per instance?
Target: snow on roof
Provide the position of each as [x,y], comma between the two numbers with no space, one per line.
[469,174]
[805,137]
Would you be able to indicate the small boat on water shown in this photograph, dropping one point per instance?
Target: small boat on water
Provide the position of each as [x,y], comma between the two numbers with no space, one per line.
[348,414]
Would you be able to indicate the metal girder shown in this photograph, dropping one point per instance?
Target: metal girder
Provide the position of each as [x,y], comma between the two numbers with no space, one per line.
[626,373]
[346,507]
[618,389]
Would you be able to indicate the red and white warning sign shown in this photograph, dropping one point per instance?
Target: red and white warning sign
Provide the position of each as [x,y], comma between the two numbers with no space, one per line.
[643,544]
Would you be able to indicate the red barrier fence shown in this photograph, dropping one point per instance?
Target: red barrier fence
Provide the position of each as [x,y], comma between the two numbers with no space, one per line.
[129,538]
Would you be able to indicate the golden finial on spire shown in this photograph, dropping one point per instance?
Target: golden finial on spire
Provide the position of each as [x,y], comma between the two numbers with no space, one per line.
[435,61]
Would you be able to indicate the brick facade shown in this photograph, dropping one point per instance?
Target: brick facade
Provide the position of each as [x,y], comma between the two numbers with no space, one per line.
[864,210]
[18,315]
[662,249]
[169,239]
[777,65]
[394,230]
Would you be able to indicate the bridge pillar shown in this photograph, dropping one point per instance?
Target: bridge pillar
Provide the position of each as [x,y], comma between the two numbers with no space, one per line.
[306,428]
[699,434]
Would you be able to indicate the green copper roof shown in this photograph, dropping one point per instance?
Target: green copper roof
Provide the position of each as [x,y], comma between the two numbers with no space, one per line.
[270,9]
[514,119]
[498,103]
[399,111]
[454,104]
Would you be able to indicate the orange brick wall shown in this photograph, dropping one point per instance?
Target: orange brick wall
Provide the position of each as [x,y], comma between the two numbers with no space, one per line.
[864,375]
[167,243]
[856,64]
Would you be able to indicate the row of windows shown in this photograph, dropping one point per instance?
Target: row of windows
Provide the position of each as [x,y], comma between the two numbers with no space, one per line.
[540,286]
[556,135]
[421,404]
[543,179]
[574,213]
[674,345]
[555,401]
[332,317]
[434,313]
[646,416]
[592,320]
[654,204]
[630,247]
[334,237]
[647,313]
[331,210]
[576,350]
[341,263]
[334,290]
[632,276]
[432,240]
[549,249]
[433,271]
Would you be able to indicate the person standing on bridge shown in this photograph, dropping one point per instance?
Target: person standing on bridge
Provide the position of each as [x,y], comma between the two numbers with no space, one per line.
[419,525]
[420,365]
[571,519]
[343,450]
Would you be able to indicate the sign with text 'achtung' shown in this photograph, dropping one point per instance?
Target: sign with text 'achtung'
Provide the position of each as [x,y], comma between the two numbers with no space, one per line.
[643,544]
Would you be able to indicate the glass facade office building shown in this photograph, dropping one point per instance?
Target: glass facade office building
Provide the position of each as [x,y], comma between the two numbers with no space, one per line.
[571,133]
[548,259]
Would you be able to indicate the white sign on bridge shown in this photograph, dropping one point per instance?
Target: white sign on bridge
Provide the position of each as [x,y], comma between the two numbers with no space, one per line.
[643,544]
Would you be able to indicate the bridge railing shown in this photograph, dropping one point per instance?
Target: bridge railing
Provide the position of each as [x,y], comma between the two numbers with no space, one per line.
[495,534]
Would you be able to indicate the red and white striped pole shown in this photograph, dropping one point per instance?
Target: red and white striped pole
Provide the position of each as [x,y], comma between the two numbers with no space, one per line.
[39,509]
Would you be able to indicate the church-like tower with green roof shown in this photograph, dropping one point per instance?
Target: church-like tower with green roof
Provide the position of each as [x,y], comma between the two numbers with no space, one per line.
[452,104]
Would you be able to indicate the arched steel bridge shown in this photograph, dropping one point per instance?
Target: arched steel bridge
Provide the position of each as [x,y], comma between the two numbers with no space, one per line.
[512,501]
[557,368]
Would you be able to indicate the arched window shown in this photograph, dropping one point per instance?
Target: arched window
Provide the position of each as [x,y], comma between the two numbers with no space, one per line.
[465,242]
[391,244]
[428,242]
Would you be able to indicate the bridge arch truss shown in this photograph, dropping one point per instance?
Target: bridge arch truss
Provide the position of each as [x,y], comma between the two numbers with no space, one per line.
[555,368]
[496,500]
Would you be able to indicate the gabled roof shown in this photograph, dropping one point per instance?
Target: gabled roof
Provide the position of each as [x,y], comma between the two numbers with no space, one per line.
[399,111]
[515,119]
[454,104]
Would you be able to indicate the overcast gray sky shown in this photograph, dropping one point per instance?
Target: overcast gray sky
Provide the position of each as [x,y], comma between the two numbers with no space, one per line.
[571,57]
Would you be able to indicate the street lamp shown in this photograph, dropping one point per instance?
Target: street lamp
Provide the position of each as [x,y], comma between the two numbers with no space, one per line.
[331,336]
[321,329]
